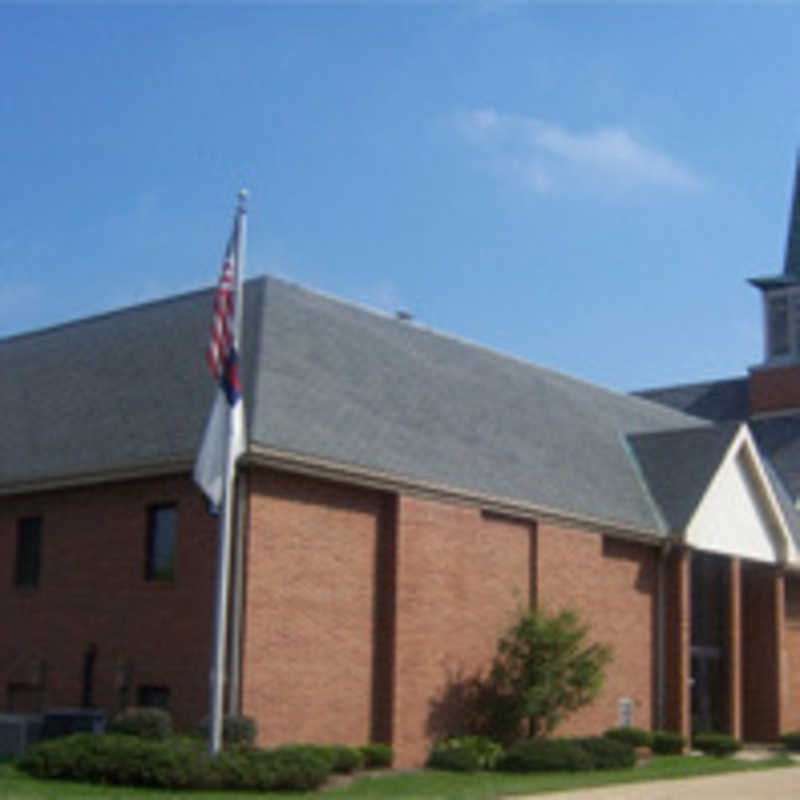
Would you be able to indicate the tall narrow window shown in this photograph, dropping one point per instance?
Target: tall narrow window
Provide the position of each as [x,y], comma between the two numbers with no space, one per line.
[162,534]
[29,551]
[779,342]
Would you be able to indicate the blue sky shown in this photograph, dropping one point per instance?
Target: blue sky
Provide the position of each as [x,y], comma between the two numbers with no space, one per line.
[585,186]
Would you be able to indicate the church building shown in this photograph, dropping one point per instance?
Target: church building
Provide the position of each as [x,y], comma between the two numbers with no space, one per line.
[402,494]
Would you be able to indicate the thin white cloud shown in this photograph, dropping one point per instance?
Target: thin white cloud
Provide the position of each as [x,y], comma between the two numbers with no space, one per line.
[544,154]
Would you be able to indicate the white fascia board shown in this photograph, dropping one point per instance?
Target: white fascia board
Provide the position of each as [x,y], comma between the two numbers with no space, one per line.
[739,514]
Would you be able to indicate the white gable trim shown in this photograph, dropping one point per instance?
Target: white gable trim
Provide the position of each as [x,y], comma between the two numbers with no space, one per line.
[739,514]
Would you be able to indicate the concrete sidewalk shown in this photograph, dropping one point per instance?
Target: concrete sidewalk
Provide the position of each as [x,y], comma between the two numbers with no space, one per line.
[768,784]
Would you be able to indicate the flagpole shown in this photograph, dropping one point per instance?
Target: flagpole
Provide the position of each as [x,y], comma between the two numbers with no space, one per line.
[226,513]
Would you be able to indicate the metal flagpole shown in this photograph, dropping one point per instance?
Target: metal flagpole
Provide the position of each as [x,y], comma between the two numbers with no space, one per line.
[226,514]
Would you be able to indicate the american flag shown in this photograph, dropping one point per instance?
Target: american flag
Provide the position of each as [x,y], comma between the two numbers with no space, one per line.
[221,354]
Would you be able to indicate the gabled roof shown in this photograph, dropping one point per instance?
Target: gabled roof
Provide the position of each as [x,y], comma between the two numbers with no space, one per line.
[678,466]
[327,380]
[716,492]
[777,435]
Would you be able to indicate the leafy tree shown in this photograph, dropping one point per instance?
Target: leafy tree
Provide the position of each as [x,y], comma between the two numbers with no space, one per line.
[545,669]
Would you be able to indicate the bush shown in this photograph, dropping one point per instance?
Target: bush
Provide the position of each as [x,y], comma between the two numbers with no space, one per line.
[716,744]
[545,755]
[548,668]
[465,754]
[296,766]
[635,737]
[667,743]
[236,729]
[176,763]
[377,755]
[455,759]
[791,741]
[607,753]
[146,722]
[342,758]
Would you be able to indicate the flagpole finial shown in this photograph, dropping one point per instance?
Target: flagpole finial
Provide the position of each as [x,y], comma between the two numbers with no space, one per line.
[243,195]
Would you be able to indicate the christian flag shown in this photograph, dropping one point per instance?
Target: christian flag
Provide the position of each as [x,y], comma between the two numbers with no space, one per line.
[224,436]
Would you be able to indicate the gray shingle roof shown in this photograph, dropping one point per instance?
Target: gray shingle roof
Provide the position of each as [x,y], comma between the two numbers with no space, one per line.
[778,436]
[719,401]
[779,439]
[330,380]
[678,465]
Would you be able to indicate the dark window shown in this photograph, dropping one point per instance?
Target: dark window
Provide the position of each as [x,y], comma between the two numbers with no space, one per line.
[29,551]
[156,696]
[162,534]
[779,326]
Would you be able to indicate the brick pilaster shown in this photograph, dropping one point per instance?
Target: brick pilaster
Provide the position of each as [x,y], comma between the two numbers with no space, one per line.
[734,653]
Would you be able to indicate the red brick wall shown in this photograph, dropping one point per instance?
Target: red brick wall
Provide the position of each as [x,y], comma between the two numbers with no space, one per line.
[774,389]
[460,577]
[92,590]
[311,608]
[762,627]
[612,585]
[792,643]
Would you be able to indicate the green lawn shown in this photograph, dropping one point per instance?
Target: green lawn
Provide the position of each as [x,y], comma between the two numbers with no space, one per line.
[15,785]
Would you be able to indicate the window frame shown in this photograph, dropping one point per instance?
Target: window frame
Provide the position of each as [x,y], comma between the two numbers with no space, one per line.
[155,570]
[784,331]
[28,556]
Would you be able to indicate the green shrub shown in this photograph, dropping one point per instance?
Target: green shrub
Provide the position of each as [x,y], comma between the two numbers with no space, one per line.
[635,737]
[667,743]
[454,759]
[545,755]
[548,668]
[489,752]
[607,753]
[377,755]
[296,766]
[716,744]
[178,762]
[236,729]
[343,759]
[791,741]
[147,722]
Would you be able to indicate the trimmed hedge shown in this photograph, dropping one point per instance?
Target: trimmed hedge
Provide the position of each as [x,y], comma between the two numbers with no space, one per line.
[545,755]
[144,721]
[465,753]
[791,741]
[180,762]
[454,759]
[295,766]
[343,759]
[667,743]
[175,763]
[377,754]
[635,737]
[716,744]
[236,729]
[607,753]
